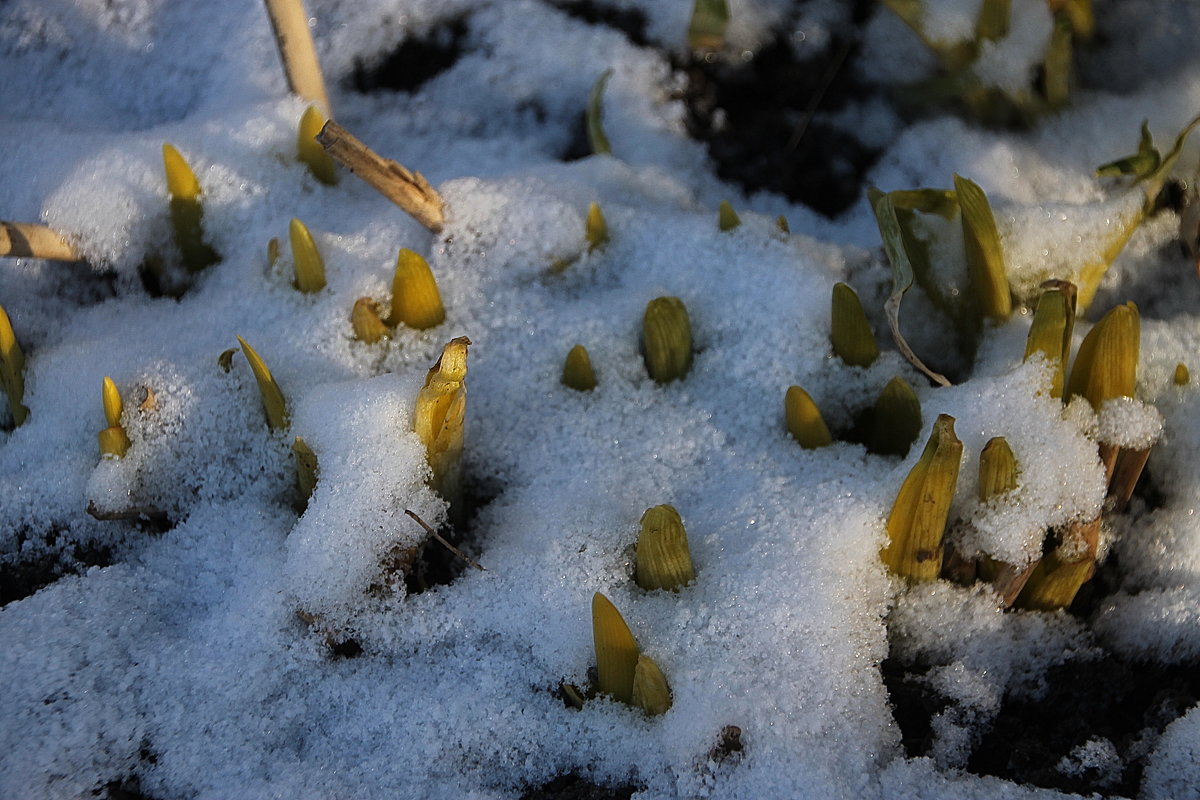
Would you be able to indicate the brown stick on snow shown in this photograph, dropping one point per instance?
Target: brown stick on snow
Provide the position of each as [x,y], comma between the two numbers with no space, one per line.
[405,188]
[290,25]
[22,240]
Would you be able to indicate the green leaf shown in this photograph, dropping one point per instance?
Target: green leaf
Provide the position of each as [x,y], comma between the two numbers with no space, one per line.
[902,275]
[706,30]
[1056,69]
[993,19]
[1153,183]
[272,398]
[985,259]
[1141,164]
[942,202]
[595,113]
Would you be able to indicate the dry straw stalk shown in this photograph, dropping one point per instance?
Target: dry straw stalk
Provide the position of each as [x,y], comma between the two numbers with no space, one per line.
[24,240]
[405,188]
[289,22]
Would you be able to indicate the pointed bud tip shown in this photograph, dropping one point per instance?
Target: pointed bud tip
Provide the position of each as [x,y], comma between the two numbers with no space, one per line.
[577,370]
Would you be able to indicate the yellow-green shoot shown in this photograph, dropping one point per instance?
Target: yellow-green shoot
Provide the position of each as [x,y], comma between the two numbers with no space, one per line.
[850,333]
[307,261]
[595,116]
[663,558]
[667,339]
[439,419]
[706,28]
[114,442]
[804,420]
[309,150]
[917,523]
[616,650]
[368,326]
[727,218]
[187,213]
[577,370]
[416,301]
[1051,329]
[274,406]
[1106,365]
[12,370]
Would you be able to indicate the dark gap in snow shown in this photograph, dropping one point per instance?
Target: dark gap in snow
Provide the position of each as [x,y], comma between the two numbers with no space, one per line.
[434,564]
[125,789]
[914,705]
[1103,584]
[345,648]
[760,115]
[1148,493]
[1119,706]
[27,575]
[578,146]
[629,21]
[573,787]
[414,62]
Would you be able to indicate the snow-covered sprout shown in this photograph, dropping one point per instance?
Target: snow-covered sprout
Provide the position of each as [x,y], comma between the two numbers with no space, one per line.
[368,325]
[978,70]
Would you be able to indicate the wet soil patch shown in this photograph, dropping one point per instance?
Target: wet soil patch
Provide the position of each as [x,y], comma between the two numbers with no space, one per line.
[760,119]
[414,62]
[1125,703]
[573,787]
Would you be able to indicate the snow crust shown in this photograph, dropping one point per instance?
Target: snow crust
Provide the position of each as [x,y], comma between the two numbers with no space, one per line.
[199,658]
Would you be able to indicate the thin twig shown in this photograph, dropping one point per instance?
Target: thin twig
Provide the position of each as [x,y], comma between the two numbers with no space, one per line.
[23,240]
[445,543]
[814,102]
[402,186]
[289,23]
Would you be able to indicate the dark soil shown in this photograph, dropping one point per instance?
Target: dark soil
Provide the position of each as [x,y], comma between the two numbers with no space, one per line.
[573,787]
[22,578]
[435,564]
[760,119]
[1127,703]
[414,62]
[914,705]
[125,789]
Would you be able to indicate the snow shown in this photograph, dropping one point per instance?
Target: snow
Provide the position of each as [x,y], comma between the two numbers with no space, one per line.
[199,659]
